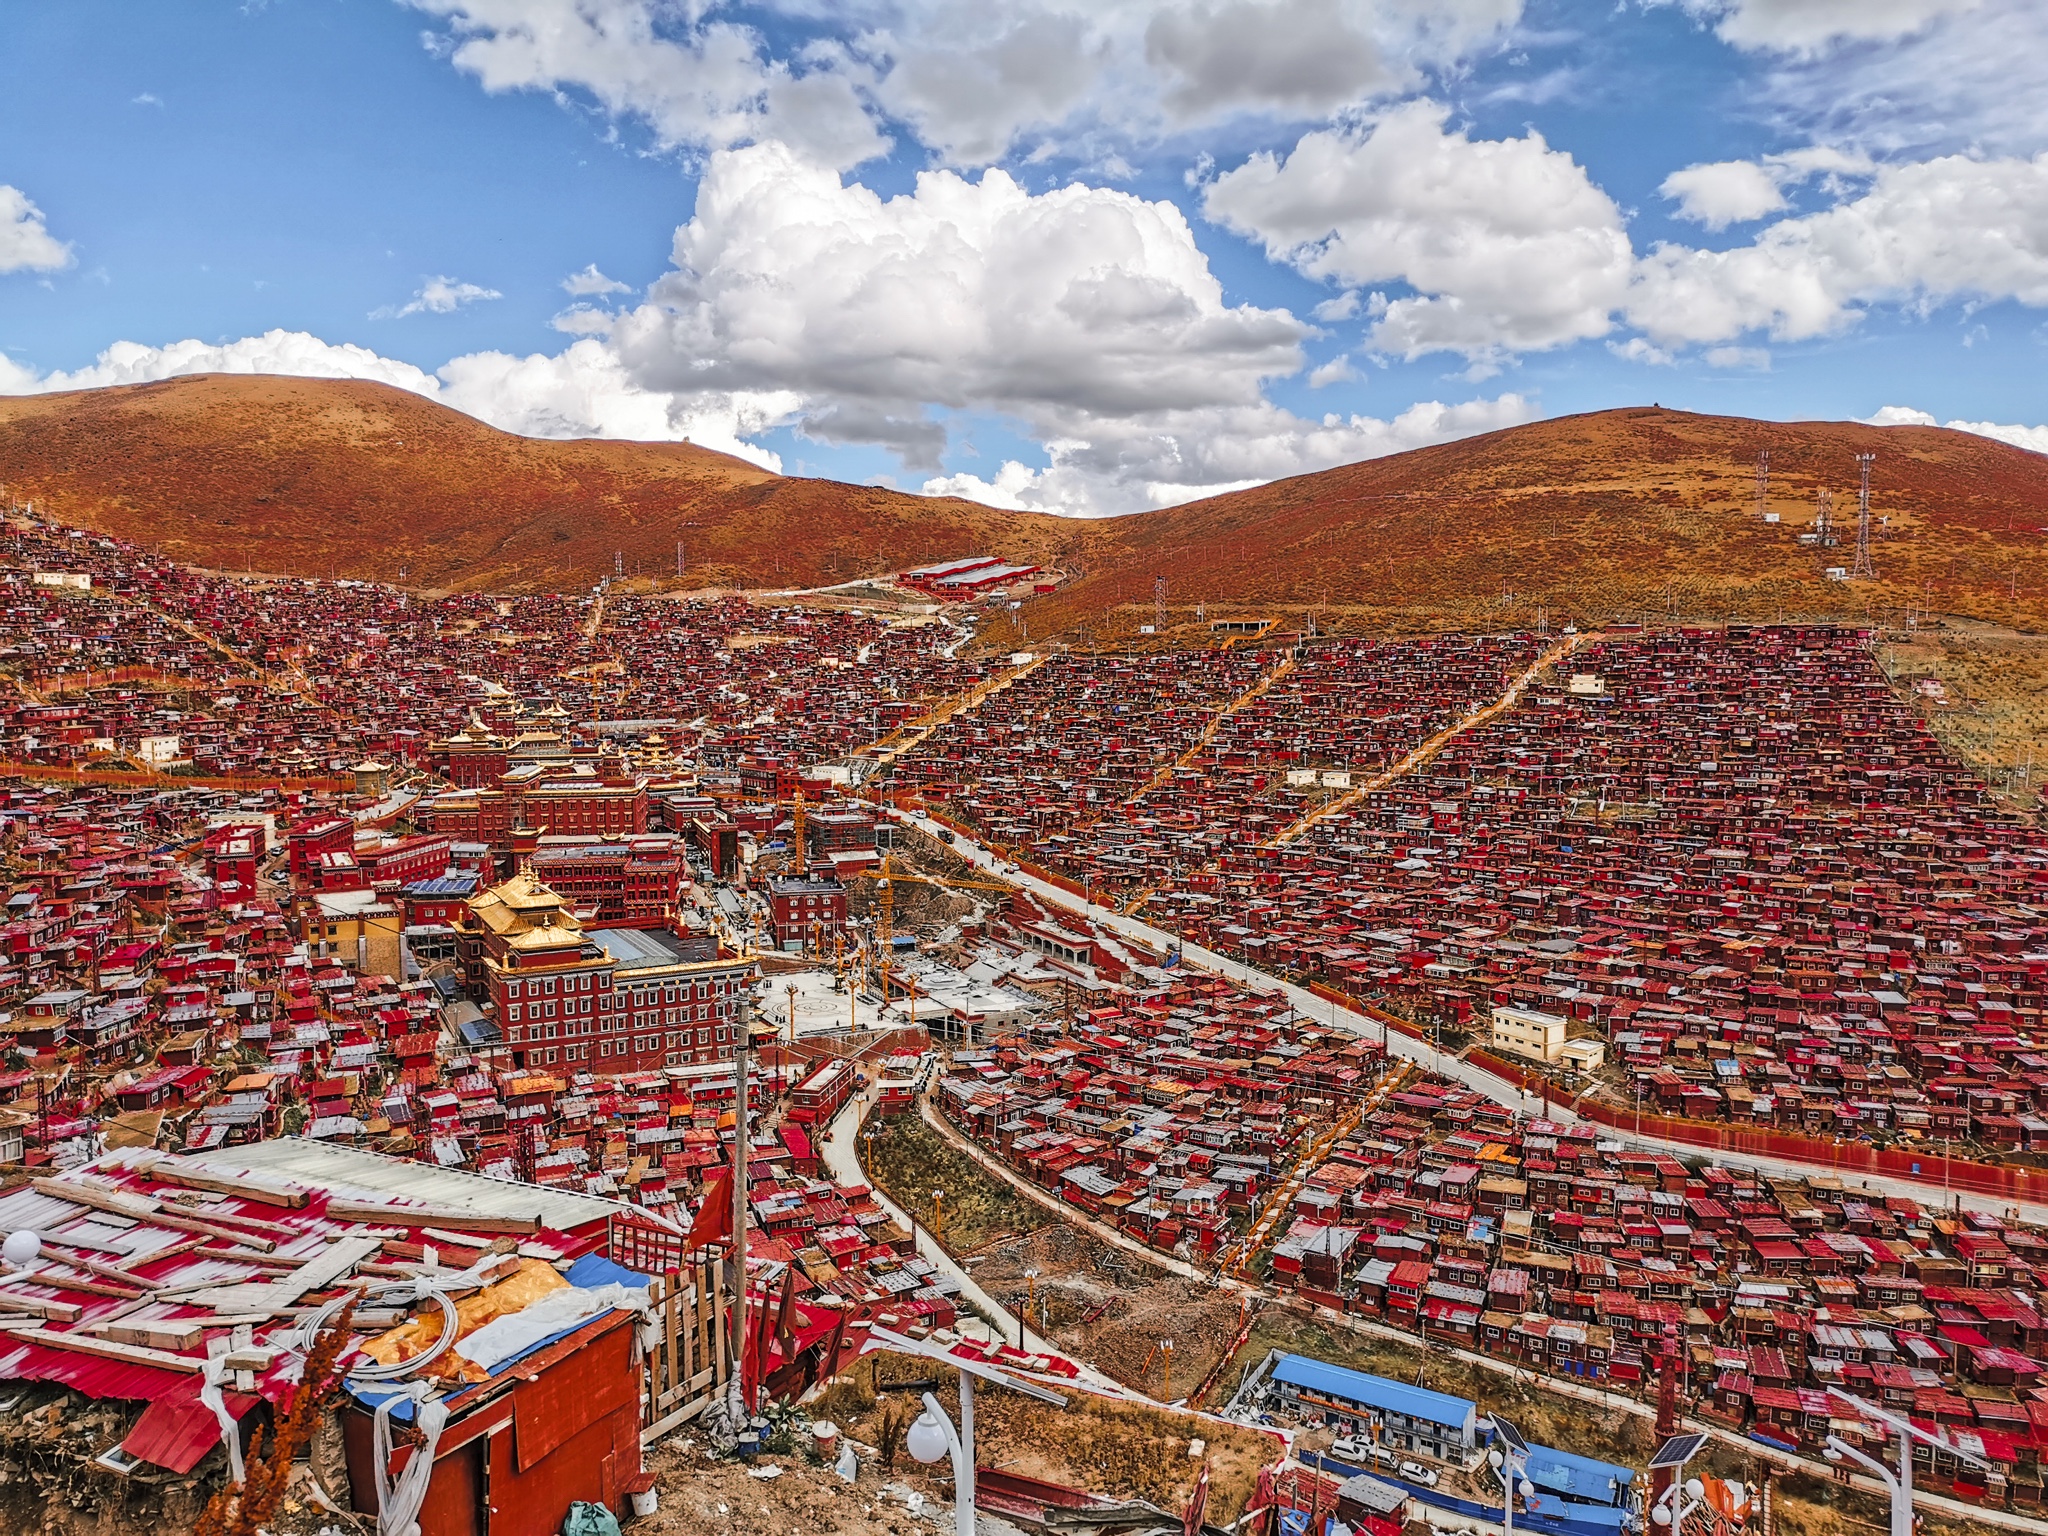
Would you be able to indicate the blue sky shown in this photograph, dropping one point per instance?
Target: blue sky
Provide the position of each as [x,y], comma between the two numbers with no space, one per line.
[1089,258]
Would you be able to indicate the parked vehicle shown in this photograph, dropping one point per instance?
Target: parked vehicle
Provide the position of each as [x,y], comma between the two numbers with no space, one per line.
[1416,1472]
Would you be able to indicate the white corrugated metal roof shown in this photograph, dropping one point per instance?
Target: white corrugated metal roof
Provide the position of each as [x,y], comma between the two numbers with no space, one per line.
[356,1174]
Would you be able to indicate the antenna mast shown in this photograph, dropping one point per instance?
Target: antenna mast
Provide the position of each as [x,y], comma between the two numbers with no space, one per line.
[1763,481]
[1823,518]
[1159,605]
[1862,569]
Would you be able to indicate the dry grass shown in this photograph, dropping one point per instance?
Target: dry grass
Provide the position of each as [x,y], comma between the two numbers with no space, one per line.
[304,476]
[908,1160]
[1991,709]
[1122,1450]
[1616,514]
[1544,1416]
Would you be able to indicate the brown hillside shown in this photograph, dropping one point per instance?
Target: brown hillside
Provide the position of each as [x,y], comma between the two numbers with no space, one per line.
[1593,516]
[1590,517]
[313,476]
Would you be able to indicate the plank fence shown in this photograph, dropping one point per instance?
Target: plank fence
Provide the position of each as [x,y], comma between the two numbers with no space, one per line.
[691,1358]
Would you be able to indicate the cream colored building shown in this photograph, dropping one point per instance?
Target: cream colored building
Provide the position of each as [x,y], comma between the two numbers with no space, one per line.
[1528,1034]
[1584,1055]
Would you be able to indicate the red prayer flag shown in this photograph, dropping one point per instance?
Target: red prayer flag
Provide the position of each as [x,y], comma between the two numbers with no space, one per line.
[714,1221]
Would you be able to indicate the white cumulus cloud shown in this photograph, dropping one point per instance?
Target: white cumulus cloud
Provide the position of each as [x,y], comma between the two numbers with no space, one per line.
[591,283]
[1809,26]
[2033,439]
[437,296]
[1062,309]
[1922,234]
[1507,243]
[26,244]
[288,352]
[1207,454]
[974,82]
[1724,192]
[583,392]
[695,82]
[1896,76]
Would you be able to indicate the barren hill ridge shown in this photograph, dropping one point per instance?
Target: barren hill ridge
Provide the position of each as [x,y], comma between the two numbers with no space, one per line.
[1584,517]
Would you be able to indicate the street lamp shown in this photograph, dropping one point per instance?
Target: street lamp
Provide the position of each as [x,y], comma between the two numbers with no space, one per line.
[933,1435]
[1900,1486]
[1678,1504]
[1510,1461]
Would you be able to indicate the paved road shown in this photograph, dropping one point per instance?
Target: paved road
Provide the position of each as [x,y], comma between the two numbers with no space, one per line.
[1612,1402]
[1498,1089]
[842,1160]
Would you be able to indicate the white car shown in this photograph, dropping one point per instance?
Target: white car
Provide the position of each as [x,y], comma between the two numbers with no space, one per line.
[1356,1452]
[1416,1472]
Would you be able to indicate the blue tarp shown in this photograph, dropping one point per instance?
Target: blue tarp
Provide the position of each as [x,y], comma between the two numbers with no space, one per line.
[591,1271]
[1551,1517]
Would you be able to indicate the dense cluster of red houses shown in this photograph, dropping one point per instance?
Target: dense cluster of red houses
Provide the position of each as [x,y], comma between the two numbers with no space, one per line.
[1440,1212]
[1735,855]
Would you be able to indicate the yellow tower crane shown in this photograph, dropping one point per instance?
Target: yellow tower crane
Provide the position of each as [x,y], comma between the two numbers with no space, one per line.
[886,879]
[803,853]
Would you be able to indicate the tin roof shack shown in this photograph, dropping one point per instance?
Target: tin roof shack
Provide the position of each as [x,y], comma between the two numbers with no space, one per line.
[160,1276]
[1392,1413]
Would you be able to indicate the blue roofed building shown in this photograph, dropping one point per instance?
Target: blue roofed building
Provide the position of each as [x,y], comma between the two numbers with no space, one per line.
[1406,1418]
[1578,1479]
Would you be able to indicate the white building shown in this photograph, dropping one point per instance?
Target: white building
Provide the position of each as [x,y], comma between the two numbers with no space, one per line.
[1528,1034]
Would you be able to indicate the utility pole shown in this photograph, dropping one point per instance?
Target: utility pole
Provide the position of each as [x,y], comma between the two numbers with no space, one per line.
[1862,570]
[741,1050]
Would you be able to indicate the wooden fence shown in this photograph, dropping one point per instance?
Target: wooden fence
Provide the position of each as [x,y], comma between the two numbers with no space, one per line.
[691,1358]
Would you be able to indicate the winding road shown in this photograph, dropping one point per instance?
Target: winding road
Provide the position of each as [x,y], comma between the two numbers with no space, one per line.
[1499,1089]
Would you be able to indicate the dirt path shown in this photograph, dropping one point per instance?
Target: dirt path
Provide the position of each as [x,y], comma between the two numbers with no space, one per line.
[888,749]
[1439,741]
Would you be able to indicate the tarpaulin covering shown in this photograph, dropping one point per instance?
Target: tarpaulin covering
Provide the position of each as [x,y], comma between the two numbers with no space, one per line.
[533,1280]
[593,1270]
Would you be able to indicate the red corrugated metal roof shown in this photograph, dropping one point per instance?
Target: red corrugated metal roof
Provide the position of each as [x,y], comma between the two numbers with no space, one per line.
[177,1430]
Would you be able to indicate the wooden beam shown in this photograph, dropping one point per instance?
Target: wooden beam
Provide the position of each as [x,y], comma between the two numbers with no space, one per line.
[235,1223]
[175,1170]
[164,1333]
[208,1229]
[147,1208]
[107,1349]
[114,1272]
[60,1311]
[88,1287]
[340,1258]
[430,1216]
[97,1197]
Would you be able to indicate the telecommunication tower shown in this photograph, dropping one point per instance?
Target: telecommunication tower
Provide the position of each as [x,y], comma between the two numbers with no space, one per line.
[1763,481]
[1824,517]
[1159,605]
[1863,570]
